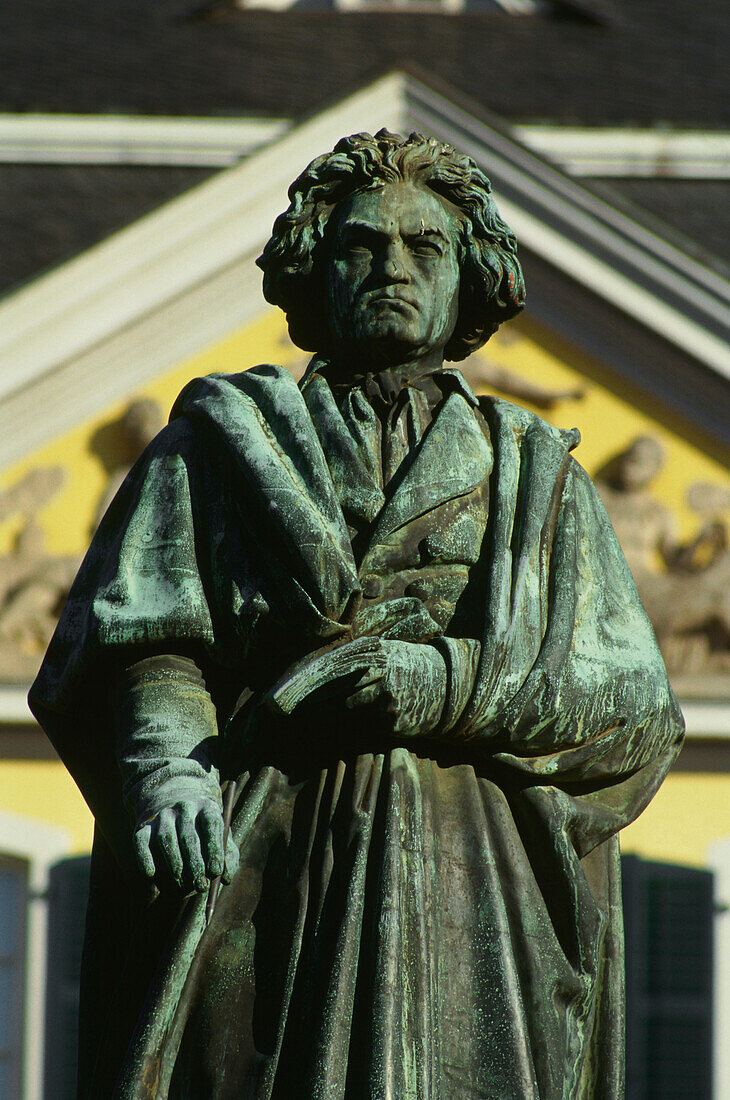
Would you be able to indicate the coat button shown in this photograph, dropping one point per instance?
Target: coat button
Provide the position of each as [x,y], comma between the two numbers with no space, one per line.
[417,589]
[372,587]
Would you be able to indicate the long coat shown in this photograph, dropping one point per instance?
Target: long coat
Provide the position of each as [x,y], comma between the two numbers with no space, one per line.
[433,919]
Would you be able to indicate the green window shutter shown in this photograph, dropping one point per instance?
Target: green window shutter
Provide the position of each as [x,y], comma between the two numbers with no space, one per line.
[67,897]
[668,919]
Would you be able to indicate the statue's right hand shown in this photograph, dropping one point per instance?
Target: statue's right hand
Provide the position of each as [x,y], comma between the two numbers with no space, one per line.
[183,841]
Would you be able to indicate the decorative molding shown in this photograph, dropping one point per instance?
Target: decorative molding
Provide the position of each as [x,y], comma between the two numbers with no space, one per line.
[718,859]
[160,290]
[421,7]
[125,139]
[631,151]
[706,720]
[14,709]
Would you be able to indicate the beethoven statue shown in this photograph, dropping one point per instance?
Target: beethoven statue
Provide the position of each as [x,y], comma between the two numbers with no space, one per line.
[392,620]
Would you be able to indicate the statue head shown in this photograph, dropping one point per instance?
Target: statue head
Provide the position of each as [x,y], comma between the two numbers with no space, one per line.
[639,464]
[140,423]
[394,243]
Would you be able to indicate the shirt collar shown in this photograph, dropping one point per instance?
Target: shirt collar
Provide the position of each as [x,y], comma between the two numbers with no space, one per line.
[453,378]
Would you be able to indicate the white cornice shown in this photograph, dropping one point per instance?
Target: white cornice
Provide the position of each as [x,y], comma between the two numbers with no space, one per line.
[124,139]
[641,304]
[92,330]
[612,255]
[632,151]
[658,152]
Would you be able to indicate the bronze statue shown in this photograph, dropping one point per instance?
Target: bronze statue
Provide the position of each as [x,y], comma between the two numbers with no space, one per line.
[394,622]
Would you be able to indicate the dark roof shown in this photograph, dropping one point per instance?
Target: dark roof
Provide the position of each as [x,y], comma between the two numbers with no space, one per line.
[632,63]
[648,61]
[49,213]
[693,214]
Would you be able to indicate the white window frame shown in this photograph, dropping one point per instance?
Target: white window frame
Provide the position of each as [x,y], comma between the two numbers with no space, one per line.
[40,846]
[509,7]
[718,860]
[416,6]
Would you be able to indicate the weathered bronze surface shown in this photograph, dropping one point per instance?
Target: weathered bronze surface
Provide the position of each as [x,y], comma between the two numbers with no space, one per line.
[399,618]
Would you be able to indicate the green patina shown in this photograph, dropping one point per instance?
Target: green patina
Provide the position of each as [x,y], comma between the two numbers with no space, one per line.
[398,619]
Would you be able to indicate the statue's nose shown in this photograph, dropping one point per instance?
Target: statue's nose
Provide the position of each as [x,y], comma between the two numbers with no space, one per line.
[394,266]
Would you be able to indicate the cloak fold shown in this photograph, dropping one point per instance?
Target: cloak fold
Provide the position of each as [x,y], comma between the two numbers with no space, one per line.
[436,919]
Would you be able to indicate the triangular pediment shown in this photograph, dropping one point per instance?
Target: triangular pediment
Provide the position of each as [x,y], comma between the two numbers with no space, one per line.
[175,281]
[624,335]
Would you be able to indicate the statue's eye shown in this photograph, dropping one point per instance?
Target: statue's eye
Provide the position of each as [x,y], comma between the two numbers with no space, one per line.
[425,246]
[358,241]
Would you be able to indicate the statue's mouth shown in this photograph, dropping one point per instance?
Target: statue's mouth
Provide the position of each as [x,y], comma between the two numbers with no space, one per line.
[396,301]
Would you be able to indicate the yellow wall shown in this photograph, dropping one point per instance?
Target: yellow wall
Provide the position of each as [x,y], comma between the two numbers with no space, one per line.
[608,421]
[67,520]
[689,812]
[608,414]
[44,791]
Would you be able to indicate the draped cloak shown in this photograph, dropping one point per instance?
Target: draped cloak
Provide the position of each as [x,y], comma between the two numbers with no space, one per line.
[435,918]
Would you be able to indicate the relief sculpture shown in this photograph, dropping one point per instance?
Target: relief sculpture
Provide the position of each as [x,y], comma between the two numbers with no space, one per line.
[685,587]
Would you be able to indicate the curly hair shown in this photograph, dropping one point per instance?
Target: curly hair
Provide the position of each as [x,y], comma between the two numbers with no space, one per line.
[294,261]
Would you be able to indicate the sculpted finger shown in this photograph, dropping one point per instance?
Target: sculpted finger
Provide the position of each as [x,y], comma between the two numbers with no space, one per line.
[141,841]
[363,663]
[372,674]
[359,649]
[232,860]
[210,830]
[166,841]
[191,852]
[365,696]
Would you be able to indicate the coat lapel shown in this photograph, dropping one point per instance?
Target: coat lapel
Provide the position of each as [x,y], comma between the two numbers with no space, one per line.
[357,490]
[454,457]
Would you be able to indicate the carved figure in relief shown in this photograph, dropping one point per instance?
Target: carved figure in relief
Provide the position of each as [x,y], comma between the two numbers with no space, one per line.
[395,621]
[33,583]
[685,587]
[133,431]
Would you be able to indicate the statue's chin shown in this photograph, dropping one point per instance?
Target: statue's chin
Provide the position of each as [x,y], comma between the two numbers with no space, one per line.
[384,345]
[389,345]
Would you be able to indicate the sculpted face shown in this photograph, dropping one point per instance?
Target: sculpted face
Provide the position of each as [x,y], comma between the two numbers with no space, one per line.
[640,464]
[394,275]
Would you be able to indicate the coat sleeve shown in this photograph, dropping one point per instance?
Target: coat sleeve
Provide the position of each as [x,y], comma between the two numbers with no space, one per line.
[144,587]
[570,692]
